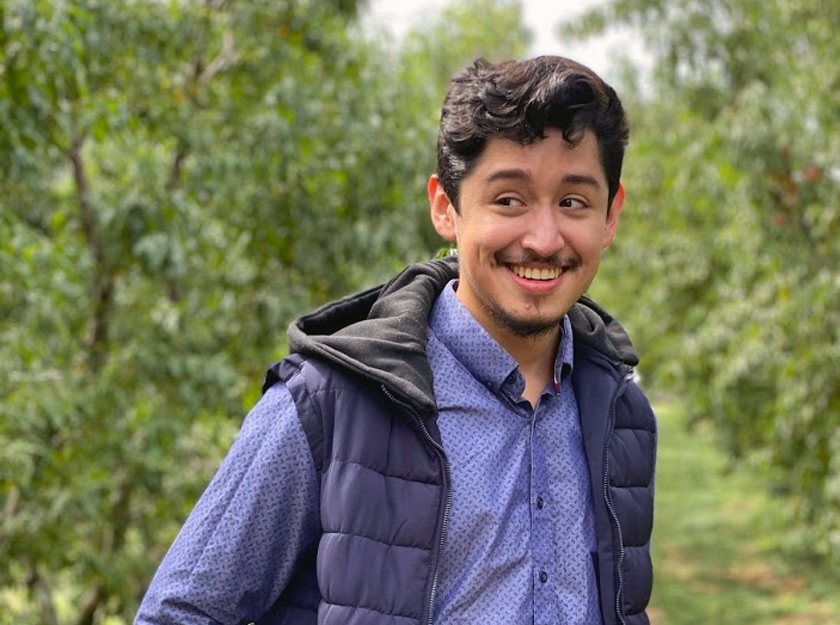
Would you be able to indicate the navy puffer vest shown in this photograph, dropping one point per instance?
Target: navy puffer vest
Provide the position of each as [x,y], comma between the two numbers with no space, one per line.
[621,453]
[384,493]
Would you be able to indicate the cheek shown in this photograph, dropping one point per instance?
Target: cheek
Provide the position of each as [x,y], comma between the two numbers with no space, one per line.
[586,238]
[485,235]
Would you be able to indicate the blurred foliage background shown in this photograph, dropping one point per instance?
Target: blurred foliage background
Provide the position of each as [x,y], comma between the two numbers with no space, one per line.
[181,177]
[728,267]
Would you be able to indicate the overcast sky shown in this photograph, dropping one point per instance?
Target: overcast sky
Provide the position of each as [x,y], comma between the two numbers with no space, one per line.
[541,16]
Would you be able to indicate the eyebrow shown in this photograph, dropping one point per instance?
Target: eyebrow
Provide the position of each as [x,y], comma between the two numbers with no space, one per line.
[524,174]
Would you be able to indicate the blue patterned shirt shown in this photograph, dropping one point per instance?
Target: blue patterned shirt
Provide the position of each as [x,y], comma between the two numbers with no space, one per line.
[521,534]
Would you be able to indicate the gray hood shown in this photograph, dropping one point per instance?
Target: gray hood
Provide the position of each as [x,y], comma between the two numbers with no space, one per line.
[380,333]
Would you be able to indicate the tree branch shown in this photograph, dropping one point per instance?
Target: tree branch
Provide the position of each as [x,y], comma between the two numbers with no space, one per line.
[223,60]
[177,166]
[103,281]
[89,605]
[42,592]
[83,195]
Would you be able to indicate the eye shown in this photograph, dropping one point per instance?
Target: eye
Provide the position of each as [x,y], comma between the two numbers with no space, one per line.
[508,200]
[573,202]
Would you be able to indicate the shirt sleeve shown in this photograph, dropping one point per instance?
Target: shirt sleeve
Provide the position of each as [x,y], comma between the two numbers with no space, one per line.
[238,549]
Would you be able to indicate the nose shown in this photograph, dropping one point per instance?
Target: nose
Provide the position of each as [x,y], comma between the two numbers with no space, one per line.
[543,236]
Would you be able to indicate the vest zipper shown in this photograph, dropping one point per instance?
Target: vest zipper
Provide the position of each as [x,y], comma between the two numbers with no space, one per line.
[448,502]
[608,501]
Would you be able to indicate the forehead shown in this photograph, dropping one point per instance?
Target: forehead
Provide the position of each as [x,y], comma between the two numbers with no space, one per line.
[546,157]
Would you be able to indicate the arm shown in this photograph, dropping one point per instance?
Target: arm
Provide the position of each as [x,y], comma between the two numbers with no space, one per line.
[238,548]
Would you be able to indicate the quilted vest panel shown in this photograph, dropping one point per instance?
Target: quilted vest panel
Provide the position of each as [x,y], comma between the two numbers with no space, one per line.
[374,561]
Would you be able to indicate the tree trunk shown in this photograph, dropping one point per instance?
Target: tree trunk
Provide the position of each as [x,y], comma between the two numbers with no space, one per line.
[103,280]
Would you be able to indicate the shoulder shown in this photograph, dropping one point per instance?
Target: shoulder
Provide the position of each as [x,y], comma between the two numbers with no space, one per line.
[274,418]
[310,374]
[324,394]
[597,329]
[635,409]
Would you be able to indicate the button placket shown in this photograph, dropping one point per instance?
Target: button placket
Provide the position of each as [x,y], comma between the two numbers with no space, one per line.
[542,521]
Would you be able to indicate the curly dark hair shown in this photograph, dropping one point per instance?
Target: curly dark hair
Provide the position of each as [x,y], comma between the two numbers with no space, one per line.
[519,100]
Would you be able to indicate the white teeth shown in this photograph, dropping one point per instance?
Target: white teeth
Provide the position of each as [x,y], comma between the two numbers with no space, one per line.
[531,273]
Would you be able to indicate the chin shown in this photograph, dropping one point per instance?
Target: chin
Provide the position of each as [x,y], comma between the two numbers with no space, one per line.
[525,327]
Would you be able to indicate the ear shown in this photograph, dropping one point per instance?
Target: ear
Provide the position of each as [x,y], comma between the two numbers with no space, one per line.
[612,217]
[441,209]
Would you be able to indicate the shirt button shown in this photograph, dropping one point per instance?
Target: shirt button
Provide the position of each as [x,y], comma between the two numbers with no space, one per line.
[543,577]
[540,503]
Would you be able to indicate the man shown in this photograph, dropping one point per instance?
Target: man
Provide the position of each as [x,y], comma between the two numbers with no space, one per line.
[465,444]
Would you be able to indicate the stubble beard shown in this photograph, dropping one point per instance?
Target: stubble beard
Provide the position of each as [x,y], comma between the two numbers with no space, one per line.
[522,328]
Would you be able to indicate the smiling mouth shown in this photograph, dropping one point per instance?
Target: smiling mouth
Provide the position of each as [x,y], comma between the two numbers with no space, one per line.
[537,273]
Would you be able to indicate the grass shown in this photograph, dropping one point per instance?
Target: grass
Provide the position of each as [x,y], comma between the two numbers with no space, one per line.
[715,543]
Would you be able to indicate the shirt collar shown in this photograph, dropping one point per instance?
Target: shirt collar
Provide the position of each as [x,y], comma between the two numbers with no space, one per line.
[480,354]
[565,361]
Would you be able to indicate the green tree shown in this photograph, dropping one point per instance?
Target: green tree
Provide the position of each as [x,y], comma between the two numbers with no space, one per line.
[727,264]
[180,178]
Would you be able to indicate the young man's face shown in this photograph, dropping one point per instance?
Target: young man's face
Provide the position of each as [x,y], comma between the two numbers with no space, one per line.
[533,222]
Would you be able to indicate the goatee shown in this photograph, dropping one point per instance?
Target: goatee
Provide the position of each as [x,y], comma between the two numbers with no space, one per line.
[523,328]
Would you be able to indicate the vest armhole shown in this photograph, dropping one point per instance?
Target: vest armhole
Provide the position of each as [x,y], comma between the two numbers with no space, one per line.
[307,411]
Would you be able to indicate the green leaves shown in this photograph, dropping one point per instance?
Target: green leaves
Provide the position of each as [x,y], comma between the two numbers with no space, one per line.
[731,252]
